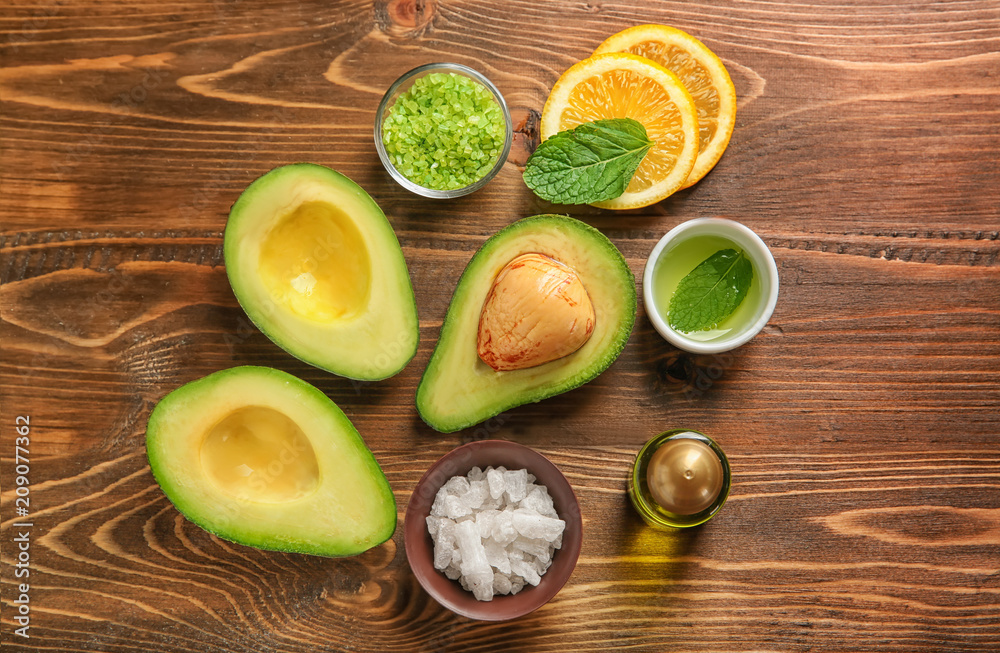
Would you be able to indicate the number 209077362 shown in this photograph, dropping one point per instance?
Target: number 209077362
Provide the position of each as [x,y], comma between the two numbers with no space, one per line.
[21,465]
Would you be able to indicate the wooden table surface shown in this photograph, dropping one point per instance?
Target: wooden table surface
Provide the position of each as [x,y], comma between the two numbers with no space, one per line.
[863,424]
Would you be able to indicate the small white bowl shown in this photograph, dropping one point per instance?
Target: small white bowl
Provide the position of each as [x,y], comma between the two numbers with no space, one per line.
[763,265]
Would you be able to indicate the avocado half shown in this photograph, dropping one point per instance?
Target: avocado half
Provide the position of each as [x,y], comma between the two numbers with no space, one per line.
[459,390]
[316,266]
[262,458]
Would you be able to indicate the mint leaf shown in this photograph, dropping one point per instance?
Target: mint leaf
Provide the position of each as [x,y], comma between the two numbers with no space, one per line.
[710,292]
[590,163]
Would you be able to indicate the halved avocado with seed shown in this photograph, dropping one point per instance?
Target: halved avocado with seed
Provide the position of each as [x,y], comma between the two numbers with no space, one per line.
[262,458]
[530,272]
[316,266]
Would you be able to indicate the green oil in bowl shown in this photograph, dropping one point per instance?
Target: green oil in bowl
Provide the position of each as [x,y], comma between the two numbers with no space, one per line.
[683,256]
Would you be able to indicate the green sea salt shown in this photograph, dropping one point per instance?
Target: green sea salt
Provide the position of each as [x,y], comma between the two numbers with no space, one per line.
[446,132]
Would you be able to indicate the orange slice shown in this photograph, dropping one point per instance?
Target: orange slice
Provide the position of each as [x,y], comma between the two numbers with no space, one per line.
[626,86]
[702,73]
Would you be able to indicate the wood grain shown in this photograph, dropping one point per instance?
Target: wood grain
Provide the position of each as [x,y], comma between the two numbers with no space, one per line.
[863,425]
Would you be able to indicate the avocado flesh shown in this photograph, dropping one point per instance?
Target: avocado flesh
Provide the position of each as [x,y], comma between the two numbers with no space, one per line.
[317,267]
[262,458]
[459,390]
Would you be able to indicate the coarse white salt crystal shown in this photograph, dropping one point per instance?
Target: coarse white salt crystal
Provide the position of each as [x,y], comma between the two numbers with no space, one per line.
[457,485]
[497,556]
[525,571]
[485,521]
[444,543]
[437,508]
[538,548]
[494,531]
[454,507]
[516,482]
[478,491]
[442,556]
[501,583]
[489,503]
[474,565]
[530,524]
[503,527]
[470,546]
[482,585]
[495,480]
[538,499]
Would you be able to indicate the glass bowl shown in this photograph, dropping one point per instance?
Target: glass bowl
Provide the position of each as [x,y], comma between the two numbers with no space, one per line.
[642,499]
[402,85]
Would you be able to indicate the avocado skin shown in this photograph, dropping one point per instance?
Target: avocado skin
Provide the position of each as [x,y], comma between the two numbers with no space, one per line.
[624,281]
[165,436]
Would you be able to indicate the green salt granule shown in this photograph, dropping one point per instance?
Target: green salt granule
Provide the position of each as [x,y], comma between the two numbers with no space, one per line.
[446,132]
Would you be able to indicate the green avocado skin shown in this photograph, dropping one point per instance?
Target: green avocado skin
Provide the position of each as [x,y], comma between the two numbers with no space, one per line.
[391,353]
[174,434]
[455,324]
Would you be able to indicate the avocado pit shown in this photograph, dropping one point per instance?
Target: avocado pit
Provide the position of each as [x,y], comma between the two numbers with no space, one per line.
[537,311]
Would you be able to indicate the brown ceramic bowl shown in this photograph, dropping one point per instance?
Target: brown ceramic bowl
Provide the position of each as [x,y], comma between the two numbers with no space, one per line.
[420,547]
